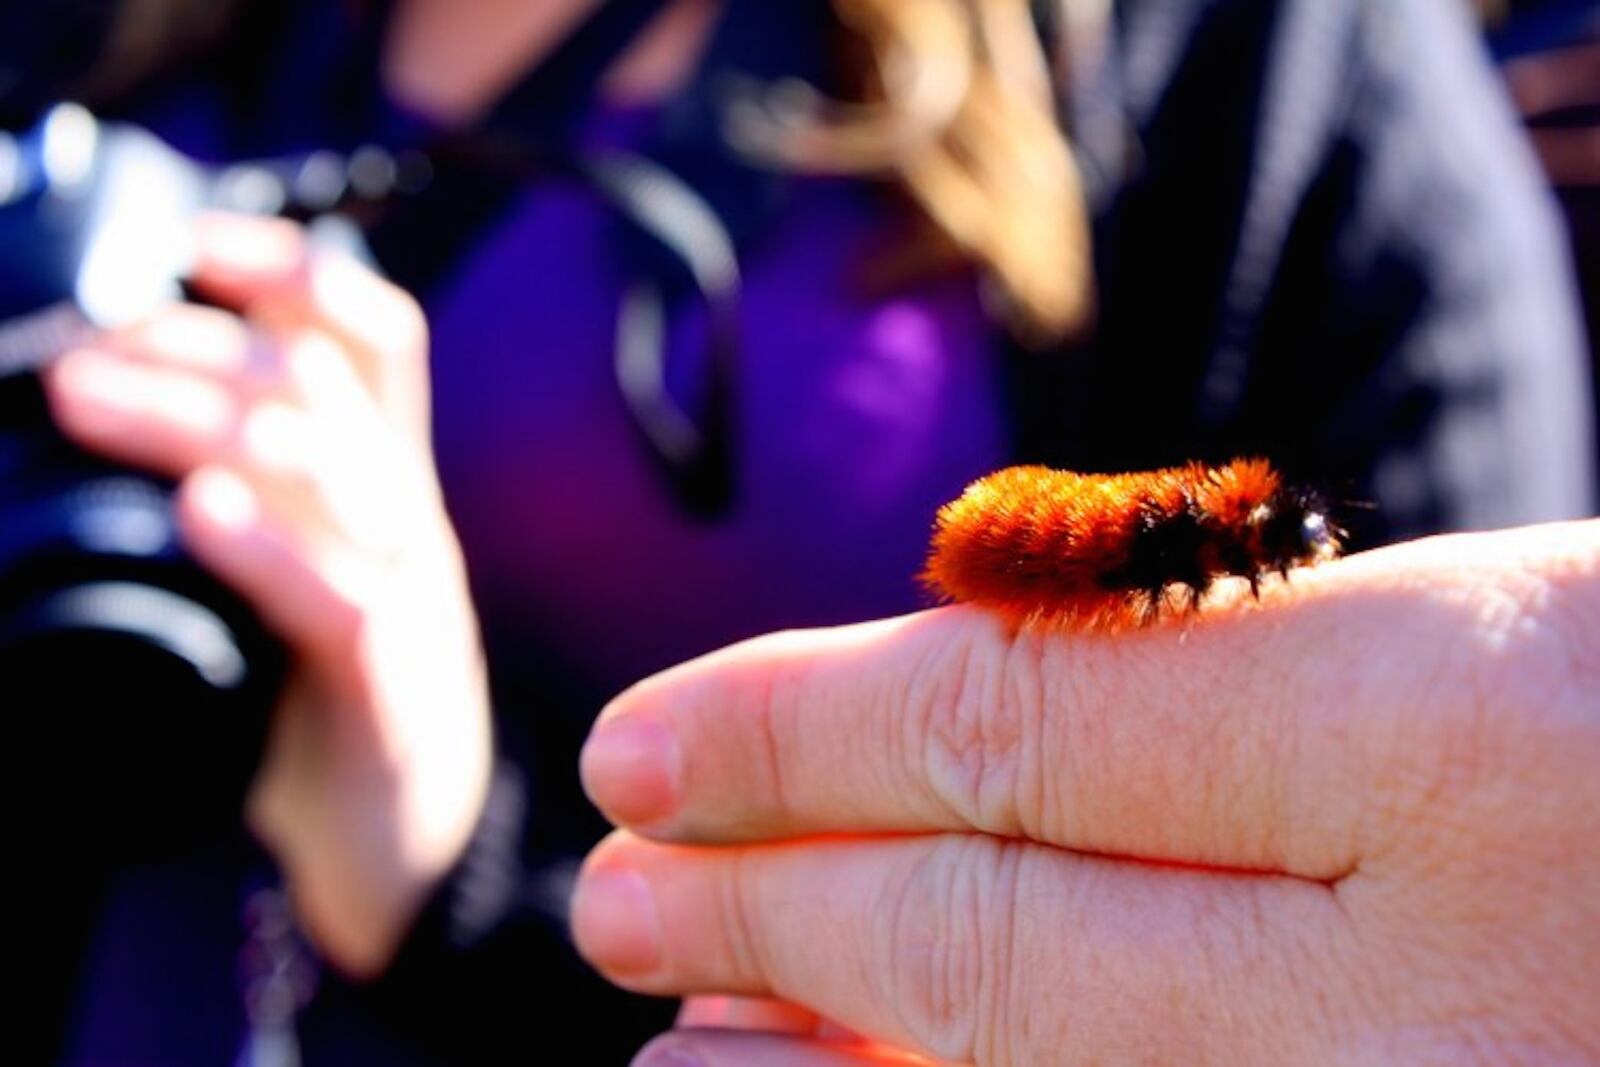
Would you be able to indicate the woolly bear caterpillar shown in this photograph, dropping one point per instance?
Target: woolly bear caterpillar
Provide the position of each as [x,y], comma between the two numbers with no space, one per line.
[1108,551]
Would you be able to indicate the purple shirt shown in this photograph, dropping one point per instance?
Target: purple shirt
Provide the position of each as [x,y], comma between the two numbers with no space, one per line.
[855,420]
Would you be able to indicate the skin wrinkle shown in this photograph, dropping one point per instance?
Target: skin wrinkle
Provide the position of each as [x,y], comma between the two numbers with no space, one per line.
[868,972]
[975,763]
[961,958]
[929,937]
[954,990]
[749,954]
[932,686]
[892,909]
[778,704]
[1062,721]
[1075,683]
[941,750]
[1024,678]
[977,866]
[999,1031]
[998,744]
[892,772]
[1057,690]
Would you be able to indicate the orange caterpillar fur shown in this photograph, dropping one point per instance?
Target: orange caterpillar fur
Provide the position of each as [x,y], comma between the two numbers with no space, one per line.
[1107,551]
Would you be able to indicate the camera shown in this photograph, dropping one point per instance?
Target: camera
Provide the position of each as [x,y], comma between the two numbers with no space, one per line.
[139,683]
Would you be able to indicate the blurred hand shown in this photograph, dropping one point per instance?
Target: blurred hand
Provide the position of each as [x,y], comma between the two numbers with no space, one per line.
[1359,823]
[298,433]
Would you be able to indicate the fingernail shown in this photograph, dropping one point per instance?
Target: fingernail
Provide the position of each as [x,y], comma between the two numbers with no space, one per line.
[670,1052]
[632,768]
[615,923]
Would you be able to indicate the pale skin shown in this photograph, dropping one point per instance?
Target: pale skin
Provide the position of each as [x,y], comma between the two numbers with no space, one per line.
[1356,823]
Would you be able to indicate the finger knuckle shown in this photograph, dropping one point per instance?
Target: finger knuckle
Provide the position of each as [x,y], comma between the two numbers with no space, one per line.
[746,951]
[775,693]
[971,709]
[946,934]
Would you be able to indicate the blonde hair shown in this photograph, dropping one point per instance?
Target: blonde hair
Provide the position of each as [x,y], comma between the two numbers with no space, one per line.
[964,115]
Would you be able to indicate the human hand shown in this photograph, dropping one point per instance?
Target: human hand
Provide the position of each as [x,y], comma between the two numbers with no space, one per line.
[298,433]
[1358,823]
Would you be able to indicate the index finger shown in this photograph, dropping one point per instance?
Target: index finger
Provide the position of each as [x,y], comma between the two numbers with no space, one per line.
[1275,738]
[268,269]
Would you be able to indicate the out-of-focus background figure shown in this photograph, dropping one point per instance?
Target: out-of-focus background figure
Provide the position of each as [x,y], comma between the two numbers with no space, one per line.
[1549,53]
[725,300]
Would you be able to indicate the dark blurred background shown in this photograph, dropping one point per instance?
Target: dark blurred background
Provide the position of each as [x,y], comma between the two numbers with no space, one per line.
[1549,52]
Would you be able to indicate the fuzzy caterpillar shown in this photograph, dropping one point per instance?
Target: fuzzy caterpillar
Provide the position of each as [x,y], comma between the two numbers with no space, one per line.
[1110,551]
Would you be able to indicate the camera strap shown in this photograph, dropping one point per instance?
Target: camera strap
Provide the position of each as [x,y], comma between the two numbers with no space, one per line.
[689,204]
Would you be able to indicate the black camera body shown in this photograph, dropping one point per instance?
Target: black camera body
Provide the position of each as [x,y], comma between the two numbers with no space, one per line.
[140,683]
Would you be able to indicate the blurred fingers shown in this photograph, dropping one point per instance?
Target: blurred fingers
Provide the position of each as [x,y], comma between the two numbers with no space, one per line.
[267,268]
[201,339]
[298,594]
[162,418]
[307,435]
